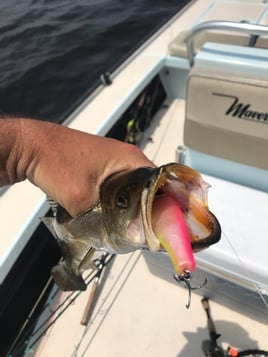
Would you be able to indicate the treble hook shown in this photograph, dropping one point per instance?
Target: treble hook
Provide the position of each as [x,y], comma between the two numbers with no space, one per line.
[185,278]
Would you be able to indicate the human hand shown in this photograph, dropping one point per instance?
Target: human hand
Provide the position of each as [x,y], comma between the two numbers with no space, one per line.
[70,165]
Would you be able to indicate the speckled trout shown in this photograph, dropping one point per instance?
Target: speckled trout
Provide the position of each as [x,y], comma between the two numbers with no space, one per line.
[158,209]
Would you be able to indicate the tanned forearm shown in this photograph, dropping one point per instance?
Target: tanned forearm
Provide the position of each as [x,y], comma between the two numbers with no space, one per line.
[19,144]
[10,146]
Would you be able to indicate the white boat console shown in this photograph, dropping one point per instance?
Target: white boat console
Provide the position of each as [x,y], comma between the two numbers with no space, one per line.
[226,136]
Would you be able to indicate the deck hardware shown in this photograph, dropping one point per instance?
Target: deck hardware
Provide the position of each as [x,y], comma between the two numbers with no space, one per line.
[180,155]
[106,79]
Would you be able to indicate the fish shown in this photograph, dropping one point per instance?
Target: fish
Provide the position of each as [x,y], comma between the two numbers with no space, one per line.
[162,209]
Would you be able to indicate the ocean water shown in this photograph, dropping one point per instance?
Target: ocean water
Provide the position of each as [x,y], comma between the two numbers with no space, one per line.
[52,52]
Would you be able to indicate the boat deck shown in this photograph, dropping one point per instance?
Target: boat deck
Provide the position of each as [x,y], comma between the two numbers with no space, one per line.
[141,314]
[140,309]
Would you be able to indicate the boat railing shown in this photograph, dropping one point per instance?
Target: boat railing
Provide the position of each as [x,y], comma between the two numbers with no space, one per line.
[236,27]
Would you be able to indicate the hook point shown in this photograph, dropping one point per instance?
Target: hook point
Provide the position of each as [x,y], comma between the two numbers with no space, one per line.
[185,278]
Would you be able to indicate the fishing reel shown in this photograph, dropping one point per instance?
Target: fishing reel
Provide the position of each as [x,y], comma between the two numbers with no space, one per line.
[211,348]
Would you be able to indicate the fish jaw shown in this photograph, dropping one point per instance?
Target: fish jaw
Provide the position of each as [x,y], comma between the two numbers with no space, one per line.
[189,190]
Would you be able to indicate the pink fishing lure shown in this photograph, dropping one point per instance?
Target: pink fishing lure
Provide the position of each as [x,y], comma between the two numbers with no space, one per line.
[171,230]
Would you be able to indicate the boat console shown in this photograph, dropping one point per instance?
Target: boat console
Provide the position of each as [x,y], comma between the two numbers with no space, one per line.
[226,138]
[226,121]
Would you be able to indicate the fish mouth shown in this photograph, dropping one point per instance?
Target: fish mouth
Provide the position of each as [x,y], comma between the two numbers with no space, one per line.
[189,190]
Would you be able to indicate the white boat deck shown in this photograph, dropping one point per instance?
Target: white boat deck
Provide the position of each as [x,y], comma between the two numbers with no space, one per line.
[141,314]
[140,310]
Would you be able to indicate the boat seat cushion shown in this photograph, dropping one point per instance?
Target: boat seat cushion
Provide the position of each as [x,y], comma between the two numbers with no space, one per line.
[177,47]
[227,114]
[246,11]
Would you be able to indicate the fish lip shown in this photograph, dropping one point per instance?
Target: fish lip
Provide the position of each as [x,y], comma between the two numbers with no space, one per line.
[214,236]
[158,179]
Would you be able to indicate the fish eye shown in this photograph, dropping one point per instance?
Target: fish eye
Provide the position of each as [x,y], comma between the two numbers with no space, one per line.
[122,200]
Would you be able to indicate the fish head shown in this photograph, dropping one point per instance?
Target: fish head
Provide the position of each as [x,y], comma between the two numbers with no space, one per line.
[127,203]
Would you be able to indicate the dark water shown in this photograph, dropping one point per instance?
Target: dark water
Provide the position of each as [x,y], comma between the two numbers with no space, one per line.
[53,51]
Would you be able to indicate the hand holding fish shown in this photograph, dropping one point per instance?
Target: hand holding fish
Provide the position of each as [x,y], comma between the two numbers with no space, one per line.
[68,165]
[108,196]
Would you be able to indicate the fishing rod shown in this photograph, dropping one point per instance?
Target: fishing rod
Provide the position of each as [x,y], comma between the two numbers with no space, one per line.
[30,339]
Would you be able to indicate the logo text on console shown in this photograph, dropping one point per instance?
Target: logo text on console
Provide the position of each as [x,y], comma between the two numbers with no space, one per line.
[242,110]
